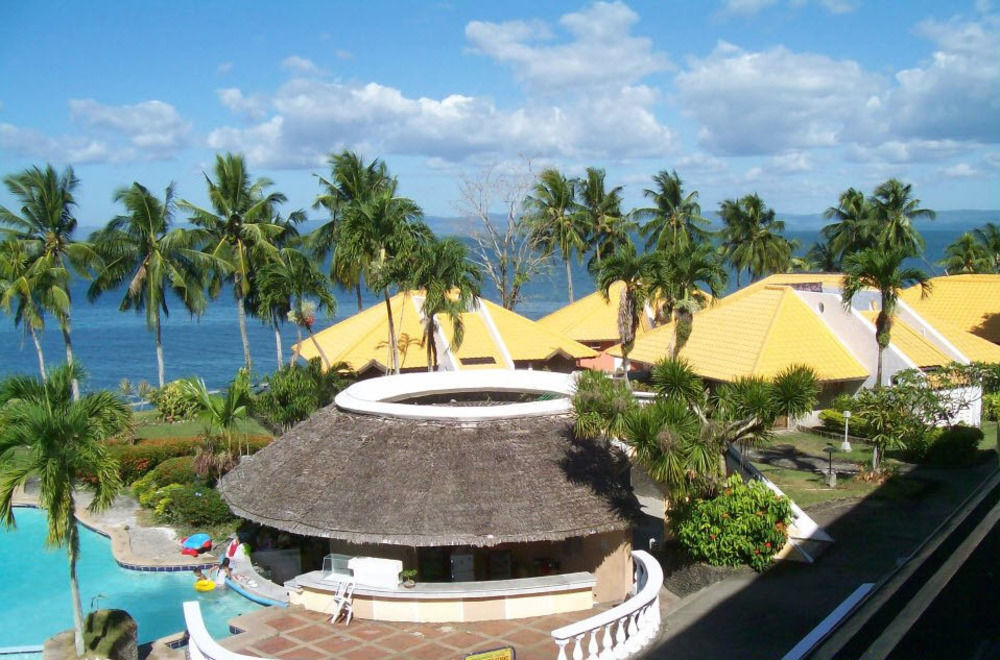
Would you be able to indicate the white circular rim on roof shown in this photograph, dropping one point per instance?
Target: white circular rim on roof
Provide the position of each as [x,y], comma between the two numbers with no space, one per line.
[377,396]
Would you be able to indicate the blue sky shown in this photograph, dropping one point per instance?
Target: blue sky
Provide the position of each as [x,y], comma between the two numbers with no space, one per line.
[793,99]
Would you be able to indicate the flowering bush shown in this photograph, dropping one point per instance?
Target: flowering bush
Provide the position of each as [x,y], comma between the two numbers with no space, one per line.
[745,524]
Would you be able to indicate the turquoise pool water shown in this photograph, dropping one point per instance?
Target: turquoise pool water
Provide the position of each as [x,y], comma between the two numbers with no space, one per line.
[34,588]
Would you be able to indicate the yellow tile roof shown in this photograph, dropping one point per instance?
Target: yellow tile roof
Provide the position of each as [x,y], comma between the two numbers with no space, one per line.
[530,340]
[913,343]
[966,302]
[827,280]
[591,318]
[362,340]
[758,334]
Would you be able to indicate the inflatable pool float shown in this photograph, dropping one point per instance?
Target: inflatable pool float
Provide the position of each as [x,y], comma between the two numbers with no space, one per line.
[204,585]
[192,545]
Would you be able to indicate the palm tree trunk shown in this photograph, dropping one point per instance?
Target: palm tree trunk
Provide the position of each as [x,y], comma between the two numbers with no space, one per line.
[569,278]
[429,338]
[69,356]
[392,333]
[295,353]
[38,349]
[277,342]
[319,349]
[241,315]
[73,550]
[626,365]
[159,347]
[878,367]
[357,292]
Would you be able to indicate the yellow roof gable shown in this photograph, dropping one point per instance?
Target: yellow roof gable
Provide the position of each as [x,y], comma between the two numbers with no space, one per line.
[591,318]
[531,340]
[758,334]
[967,302]
[829,281]
[913,344]
[478,350]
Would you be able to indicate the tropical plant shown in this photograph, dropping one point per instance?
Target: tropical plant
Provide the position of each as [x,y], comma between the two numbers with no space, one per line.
[450,284]
[25,286]
[966,255]
[633,271]
[752,239]
[351,184]
[601,406]
[45,432]
[677,282]
[238,231]
[600,211]
[674,222]
[883,271]
[854,228]
[556,222]
[45,226]
[894,209]
[221,415]
[296,391]
[989,237]
[140,248]
[821,257]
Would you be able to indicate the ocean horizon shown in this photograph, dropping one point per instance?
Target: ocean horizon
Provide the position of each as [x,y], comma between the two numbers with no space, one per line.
[112,345]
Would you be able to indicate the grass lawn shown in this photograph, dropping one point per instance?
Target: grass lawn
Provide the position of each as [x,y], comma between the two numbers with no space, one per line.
[814,445]
[149,428]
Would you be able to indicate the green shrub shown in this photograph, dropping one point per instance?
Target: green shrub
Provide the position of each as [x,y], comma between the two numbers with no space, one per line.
[833,421]
[954,446]
[195,506]
[177,470]
[136,460]
[295,392]
[991,407]
[171,404]
[745,524]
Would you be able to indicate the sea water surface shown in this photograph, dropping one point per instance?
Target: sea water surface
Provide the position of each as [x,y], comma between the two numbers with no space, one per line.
[114,345]
[34,588]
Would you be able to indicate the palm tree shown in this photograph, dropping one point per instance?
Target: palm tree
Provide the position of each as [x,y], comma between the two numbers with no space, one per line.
[676,281]
[383,233]
[600,211]
[450,284]
[675,220]
[989,237]
[25,286]
[894,210]
[141,248]
[854,229]
[821,257]
[285,287]
[351,184]
[966,255]
[221,415]
[238,230]
[752,238]
[46,225]
[634,271]
[553,209]
[882,270]
[44,432]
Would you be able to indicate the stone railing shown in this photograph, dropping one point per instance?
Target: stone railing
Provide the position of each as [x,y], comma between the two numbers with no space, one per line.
[624,630]
[200,645]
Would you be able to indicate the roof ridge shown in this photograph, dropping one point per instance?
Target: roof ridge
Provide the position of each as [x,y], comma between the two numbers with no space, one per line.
[770,326]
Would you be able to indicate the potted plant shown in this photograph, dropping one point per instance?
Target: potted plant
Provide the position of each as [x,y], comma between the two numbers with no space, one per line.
[408,577]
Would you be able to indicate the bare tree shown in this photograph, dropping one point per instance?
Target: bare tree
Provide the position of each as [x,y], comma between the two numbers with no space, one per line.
[506,248]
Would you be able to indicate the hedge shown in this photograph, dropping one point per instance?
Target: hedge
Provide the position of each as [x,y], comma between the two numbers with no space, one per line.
[136,460]
[833,420]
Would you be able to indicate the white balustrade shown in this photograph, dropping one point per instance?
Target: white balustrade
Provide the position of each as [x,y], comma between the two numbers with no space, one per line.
[624,630]
[201,646]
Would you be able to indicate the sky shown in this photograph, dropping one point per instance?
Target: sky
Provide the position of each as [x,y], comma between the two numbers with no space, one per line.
[795,100]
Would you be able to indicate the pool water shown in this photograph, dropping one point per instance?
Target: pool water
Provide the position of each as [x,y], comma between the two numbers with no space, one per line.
[35,598]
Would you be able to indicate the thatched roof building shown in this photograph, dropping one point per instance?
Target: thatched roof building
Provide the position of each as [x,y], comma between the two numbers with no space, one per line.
[385,480]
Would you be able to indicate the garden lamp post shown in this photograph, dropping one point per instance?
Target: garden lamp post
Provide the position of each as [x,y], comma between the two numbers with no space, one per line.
[846,445]
[831,476]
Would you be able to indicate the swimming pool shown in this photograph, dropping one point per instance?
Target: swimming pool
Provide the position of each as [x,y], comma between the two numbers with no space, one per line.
[34,591]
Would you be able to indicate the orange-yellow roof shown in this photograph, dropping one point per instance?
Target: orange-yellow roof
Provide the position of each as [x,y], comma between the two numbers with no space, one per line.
[757,334]
[591,318]
[913,344]
[966,302]
[827,280]
[530,340]
[362,340]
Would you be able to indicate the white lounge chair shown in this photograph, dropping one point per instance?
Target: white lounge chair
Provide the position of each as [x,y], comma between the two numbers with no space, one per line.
[342,602]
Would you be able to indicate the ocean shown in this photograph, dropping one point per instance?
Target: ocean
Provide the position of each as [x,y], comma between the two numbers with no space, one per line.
[113,345]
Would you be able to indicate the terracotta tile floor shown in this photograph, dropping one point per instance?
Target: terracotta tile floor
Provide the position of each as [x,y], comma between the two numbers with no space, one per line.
[299,634]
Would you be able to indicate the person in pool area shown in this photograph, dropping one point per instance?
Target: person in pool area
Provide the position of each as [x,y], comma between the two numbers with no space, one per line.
[222,572]
[199,575]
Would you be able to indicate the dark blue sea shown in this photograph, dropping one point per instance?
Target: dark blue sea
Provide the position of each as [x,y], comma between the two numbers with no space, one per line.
[113,345]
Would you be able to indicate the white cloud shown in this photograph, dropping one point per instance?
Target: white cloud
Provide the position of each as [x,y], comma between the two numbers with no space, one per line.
[772,101]
[840,6]
[341,54]
[991,160]
[959,171]
[601,52]
[701,162]
[64,149]
[153,129]
[904,151]
[297,64]
[956,93]
[791,163]
[746,6]
[253,107]
[224,68]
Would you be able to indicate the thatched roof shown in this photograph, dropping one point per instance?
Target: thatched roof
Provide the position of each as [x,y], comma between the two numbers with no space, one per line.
[370,479]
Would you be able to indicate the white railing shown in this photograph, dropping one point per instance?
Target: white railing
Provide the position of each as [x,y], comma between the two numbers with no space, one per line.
[624,630]
[201,646]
